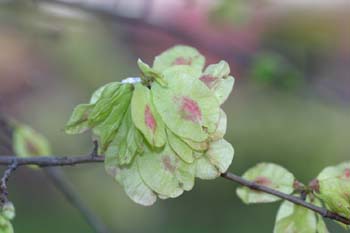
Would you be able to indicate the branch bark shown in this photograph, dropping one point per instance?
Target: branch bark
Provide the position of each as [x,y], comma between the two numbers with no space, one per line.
[298,201]
[93,158]
[50,161]
[3,182]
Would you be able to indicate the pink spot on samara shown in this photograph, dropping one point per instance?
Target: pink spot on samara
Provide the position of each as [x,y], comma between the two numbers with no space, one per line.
[168,164]
[261,180]
[149,119]
[182,61]
[190,110]
[32,149]
[208,80]
[347,173]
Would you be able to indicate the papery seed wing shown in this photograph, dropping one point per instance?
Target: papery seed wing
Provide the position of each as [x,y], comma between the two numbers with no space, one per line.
[183,150]
[187,106]
[179,56]
[145,116]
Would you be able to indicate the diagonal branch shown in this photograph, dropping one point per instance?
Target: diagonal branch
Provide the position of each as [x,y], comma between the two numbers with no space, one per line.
[55,174]
[58,178]
[93,158]
[298,201]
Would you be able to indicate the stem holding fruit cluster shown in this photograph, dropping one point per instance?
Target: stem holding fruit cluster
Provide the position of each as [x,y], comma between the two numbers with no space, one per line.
[52,161]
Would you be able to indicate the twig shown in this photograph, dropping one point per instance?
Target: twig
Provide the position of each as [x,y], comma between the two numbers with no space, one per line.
[3,183]
[94,152]
[57,177]
[54,173]
[298,201]
[50,161]
[13,162]
[66,161]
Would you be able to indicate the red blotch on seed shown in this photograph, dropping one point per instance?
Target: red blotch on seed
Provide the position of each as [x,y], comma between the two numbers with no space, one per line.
[168,164]
[261,180]
[32,149]
[149,119]
[208,80]
[182,61]
[347,173]
[189,109]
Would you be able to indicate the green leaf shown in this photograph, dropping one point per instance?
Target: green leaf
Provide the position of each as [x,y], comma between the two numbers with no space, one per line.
[27,142]
[107,129]
[85,116]
[5,225]
[179,56]
[110,96]
[146,118]
[165,173]
[100,111]
[220,154]
[110,89]
[127,143]
[187,106]
[180,147]
[216,78]
[78,122]
[270,175]
[294,218]
[150,74]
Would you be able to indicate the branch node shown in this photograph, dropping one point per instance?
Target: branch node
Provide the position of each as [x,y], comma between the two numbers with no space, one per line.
[94,152]
[296,200]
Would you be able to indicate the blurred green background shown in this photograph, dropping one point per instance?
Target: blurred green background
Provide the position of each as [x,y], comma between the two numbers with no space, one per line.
[290,104]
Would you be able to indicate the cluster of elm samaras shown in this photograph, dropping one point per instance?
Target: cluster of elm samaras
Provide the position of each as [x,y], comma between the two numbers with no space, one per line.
[163,130]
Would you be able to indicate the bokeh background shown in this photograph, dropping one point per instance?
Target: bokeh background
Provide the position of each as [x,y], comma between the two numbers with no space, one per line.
[290,104]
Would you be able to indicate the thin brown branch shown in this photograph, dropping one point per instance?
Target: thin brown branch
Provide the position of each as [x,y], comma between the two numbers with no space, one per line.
[50,161]
[298,201]
[3,182]
[69,161]
[58,178]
